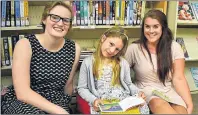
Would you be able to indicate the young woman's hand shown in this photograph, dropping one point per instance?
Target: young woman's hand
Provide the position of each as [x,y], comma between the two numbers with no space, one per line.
[190,108]
[96,104]
[141,94]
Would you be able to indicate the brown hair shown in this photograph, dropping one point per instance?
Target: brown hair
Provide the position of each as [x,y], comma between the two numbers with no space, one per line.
[163,49]
[49,7]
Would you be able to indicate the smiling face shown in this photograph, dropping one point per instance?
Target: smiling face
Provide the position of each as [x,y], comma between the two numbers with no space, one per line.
[111,46]
[57,29]
[152,30]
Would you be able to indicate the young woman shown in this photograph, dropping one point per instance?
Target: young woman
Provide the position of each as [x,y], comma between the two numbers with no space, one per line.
[43,67]
[158,62]
[106,75]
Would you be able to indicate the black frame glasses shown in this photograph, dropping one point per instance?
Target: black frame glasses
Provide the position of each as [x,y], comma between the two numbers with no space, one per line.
[56,18]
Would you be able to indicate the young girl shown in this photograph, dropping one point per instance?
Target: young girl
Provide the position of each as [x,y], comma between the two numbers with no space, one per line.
[106,75]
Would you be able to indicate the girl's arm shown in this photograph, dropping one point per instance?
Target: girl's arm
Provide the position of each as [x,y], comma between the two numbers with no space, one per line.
[69,85]
[84,78]
[21,80]
[127,78]
[180,83]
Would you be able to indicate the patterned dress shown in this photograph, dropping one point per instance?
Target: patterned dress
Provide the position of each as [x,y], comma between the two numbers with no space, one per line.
[49,72]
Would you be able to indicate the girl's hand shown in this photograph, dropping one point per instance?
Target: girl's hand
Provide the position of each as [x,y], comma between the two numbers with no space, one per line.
[141,94]
[96,104]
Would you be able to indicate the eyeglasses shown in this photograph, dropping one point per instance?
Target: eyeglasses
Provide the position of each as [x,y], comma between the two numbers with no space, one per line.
[56,18]
[122,33]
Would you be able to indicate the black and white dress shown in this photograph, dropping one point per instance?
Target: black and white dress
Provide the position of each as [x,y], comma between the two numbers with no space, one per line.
[49,72]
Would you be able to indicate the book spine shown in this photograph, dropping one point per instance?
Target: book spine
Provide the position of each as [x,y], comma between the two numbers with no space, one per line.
[17,12]
[2,53]
[10,49]
[100,12]
[82,22]
[15,39]
[104,12]
[107,12]
[3,13]
[6,51]
[12,14]
[22,13]
[86,13]
[26,13]
[8,13]
[96,13]
[78,12]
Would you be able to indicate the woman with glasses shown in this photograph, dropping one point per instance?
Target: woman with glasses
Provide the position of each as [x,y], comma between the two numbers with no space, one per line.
[43,67]
[158,63]
[106,74]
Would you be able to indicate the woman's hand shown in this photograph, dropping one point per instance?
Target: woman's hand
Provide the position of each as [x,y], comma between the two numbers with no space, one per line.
[141,94]
[190,108]
[96,104]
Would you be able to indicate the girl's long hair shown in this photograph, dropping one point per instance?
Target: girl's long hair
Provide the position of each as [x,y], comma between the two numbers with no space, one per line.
[117,32]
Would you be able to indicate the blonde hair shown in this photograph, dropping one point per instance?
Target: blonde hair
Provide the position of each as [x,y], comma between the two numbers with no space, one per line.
[49,7]
[114,32]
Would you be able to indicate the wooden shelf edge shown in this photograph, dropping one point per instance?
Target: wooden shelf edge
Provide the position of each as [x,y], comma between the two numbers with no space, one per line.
[73,27]
[189,60]
[6,67]
[187,22]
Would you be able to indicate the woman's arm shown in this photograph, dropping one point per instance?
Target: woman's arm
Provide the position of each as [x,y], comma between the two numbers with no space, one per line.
[83,80]
[69,84]
[21,80]
[180,83]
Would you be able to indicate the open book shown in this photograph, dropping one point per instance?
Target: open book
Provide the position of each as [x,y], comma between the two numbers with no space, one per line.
[123,105]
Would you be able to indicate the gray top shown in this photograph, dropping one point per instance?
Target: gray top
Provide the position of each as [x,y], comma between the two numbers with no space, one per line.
[86,86]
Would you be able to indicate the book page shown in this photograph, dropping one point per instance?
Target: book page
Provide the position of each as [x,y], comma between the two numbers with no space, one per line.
[131,102]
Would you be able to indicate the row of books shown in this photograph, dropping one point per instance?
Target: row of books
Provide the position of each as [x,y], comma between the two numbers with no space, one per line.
[7,48]
[14,13]
[188,10]
[110,12]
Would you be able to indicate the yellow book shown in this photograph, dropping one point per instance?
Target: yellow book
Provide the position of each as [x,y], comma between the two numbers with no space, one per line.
[126,106]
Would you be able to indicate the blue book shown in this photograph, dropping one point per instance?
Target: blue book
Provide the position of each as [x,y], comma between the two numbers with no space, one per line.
[17,12]
[3,14]
[194,72]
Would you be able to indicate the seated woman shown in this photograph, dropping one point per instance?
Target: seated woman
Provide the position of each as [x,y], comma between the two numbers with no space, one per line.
[106,74]
[43,67]
[158,63]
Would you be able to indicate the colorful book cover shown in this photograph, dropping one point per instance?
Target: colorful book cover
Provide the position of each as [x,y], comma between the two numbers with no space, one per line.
[194,72]
[181,42]
[185,11]
[127,105]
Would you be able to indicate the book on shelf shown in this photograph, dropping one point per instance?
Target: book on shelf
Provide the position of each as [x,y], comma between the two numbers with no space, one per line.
[180,40]
[128,104]
[194,73]
[194,6]
[185,11]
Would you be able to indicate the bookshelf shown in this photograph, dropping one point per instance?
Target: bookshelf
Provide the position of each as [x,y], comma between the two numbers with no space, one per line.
[188,31]
[87,36]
